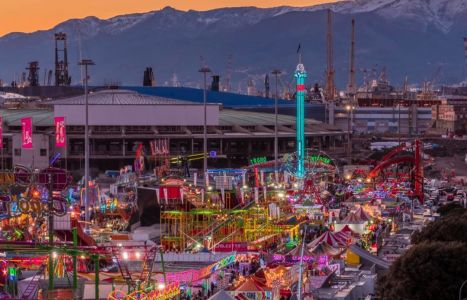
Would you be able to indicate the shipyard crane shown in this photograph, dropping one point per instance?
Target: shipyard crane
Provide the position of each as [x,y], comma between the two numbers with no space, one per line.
[351,87]
[228,76]
[435,78]
[330,86]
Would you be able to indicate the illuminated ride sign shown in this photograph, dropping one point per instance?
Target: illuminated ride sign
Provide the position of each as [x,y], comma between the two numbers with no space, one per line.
[168,292]
[36,201]
[258,160]
[12,206]
[320,159]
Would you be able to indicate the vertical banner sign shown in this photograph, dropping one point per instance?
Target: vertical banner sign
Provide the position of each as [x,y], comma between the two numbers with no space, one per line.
[256,195]
[158,196]
[60,133]
[195,179]
[26,125]
[166,196]
[1,132]
[181,195]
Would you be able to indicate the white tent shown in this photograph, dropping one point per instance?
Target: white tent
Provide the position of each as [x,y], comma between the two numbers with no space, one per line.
[221,295]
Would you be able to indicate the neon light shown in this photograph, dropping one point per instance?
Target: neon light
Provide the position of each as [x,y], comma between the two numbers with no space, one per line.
[258,160]
[319,158]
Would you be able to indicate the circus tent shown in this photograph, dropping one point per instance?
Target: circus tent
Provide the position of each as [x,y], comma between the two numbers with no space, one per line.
[330,238]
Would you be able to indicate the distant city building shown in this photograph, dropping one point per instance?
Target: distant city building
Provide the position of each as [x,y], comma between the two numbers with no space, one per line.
[121,119]
[451,115]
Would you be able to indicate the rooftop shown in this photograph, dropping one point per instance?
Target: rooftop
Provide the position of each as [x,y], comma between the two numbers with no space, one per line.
[117,97]
[227,117]
[40,117]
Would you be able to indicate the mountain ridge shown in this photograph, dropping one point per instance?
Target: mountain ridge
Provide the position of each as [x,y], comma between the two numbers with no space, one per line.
[126,44]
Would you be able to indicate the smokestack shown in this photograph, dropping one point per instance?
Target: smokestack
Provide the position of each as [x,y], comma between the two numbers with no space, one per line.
[215,83]
[148,78]
[266,86]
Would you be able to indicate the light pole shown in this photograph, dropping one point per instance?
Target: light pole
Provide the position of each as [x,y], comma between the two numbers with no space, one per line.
[349,109]
[205,70]
[86,63]
[399,123]
[300,279]
[276,72]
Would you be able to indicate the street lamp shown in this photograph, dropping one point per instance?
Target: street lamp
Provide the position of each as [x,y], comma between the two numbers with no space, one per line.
[349,110]
[276,72]
[300,279]
[86,63]
[205,70]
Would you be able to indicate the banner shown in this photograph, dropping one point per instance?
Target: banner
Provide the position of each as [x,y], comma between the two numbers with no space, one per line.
[166,196]
[26,125]
[158,196]
[1,132]
[60,132]
[195,179]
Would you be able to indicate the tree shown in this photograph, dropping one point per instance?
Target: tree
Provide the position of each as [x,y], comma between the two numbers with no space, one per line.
[451,208]
[429,270]
[451,228]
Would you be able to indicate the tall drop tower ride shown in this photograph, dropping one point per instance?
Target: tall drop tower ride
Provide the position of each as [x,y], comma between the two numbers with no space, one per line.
[300,75]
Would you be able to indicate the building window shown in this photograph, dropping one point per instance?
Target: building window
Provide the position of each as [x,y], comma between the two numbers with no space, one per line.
[17,151]
[43,152]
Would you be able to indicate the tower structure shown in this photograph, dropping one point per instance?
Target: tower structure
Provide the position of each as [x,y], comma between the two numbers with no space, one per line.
[300,75]
[33,76]
[148,78]
[61,60]
[215,83]
[330,87]
[266,86]
[351,88]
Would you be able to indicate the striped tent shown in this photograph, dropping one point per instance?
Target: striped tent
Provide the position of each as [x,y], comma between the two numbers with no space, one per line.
[324,248]
[352,218]
[343,236]
[297,251]
[362,214]
[346,229]
[330,238]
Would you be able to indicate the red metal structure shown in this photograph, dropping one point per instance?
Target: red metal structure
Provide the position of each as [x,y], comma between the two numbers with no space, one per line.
[416,159]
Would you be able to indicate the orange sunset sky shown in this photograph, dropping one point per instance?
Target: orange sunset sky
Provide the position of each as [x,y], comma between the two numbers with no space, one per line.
[32,15]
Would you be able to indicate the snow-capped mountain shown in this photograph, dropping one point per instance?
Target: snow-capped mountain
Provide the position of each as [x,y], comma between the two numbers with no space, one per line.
[409,37]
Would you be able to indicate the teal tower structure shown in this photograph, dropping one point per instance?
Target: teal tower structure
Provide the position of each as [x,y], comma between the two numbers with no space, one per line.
[300,75]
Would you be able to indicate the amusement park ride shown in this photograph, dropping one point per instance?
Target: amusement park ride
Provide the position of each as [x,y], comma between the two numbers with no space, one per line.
[231,210]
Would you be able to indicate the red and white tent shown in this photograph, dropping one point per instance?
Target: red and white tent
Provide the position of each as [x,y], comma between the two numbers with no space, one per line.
[346,229]
[362,214]
[331,238]
[343,236]
[324,248]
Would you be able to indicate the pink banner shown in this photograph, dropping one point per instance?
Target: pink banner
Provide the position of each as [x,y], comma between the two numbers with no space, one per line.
[1,132]
[60,132]
[26,125]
